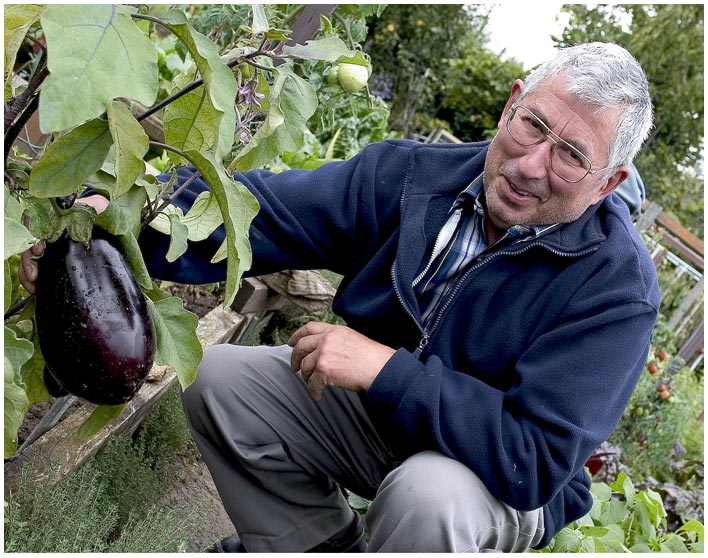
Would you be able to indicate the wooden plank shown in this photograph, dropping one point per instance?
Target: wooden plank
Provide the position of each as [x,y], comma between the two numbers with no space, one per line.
[61,446]
[680,249]
[681,232]
[648,216]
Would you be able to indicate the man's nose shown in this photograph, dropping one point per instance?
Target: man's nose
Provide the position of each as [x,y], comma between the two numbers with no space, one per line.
[536,162]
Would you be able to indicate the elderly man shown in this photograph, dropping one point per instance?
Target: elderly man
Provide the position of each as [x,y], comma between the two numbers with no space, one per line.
[499,308]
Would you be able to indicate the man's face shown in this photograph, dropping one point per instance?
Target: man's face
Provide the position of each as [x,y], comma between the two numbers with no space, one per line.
[520,185]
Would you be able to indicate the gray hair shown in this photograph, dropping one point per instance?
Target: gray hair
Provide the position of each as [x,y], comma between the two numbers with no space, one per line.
[606,75]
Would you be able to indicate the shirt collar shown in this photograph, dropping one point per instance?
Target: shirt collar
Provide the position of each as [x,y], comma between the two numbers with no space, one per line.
[473,195]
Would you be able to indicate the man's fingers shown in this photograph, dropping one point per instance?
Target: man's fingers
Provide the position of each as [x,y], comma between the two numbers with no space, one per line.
[310,328]
[301,349]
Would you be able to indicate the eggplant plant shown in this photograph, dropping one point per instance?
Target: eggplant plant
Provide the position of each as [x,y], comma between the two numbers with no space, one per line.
[92,74]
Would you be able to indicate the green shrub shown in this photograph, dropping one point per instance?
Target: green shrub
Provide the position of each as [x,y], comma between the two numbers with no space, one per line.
[623,519]
[111,503]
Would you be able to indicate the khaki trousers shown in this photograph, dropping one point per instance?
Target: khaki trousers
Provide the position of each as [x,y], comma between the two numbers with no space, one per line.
[278,459]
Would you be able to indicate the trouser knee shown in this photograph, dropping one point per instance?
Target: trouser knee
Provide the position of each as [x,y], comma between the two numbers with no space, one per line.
[432,503]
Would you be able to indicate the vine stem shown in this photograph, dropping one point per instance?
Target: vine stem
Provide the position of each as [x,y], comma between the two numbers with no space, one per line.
[155,212]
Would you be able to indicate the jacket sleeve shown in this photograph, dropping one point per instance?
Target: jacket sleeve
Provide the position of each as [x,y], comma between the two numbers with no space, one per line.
[327,218]
[528,442]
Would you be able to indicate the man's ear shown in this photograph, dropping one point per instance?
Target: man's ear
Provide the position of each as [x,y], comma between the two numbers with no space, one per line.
[615,180]
[516,89]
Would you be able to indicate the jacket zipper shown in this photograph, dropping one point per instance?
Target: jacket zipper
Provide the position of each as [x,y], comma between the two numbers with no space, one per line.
[427,332]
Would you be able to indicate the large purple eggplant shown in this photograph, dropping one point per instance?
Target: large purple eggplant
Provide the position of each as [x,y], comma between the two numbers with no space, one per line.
[94,329]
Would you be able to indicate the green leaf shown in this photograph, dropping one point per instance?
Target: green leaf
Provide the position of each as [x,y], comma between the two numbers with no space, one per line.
[567,540]
[96,54]
[692,526]
[328,49]
[177,342]
[623,485]
[9,272]
[192,121]
[18,18]
[33,376]
[219,81]
[601,491]
[178,239]
[40,219]
[293,101]
[17,352]
[131,144]
[260,20]
[70,160]
[238,208]
[100,416]
[17,238]
[77,221]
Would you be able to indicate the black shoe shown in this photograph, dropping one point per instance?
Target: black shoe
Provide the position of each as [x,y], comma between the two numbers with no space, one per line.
[229,544]
[352,540]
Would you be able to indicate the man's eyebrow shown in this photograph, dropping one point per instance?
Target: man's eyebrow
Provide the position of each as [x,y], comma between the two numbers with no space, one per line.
[538,111]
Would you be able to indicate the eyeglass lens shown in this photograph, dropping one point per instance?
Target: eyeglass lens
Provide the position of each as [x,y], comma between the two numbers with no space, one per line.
[566,161]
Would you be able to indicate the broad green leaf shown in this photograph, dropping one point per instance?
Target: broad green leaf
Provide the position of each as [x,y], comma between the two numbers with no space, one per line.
[18,18]
[191,122]
[219,81]
[328,49]
[238,208]
[201,220]
[654,506]
[203,217]
[122,219]
[692,526]
[122,216]
[601,491]
[33,376]
[70,160]
[567,540]
[673,544]
[17,352]
[13,208]
[292,101]
[178,239]
[40,219]
[96,54]
[77,221]
[358,58]
[99,417]
[592,531]
[131,144]
[177,342]
[17,238]
[260,20]
[623,484]
[8,285]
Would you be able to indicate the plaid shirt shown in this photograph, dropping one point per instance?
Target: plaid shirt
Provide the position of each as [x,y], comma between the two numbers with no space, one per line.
[458,244]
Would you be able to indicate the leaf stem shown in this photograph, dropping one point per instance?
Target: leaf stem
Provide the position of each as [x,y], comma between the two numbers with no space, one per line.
[155,212]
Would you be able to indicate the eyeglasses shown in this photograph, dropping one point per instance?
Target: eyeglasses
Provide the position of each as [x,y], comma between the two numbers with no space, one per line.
[567,162]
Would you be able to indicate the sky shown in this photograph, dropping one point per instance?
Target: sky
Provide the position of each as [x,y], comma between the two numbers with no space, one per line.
[525,30]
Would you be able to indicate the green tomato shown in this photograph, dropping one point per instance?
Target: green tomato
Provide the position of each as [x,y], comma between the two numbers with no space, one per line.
[352,77]
[332,75]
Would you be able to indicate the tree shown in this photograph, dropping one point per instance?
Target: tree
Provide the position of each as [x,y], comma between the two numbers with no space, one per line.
[667,40]
[409,46]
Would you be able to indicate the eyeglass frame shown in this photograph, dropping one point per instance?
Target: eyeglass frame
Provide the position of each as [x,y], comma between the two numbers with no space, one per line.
[556,140]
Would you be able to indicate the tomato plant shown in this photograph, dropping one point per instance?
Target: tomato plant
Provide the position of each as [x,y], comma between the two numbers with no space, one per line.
[93,73]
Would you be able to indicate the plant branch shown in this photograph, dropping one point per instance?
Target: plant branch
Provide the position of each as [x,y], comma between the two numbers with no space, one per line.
[22,100]
[155,212]
[17,126]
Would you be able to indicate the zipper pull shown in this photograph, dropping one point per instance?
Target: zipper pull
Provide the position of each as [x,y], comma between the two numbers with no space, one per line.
[421,345]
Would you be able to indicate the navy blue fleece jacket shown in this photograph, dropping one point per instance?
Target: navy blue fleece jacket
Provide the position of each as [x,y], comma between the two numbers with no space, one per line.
[536,353]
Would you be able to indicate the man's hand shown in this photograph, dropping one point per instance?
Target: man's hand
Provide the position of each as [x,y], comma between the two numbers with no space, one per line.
[28,271]
[335,355]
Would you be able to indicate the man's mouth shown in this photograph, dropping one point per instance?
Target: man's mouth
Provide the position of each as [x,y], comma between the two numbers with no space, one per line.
[517,193]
